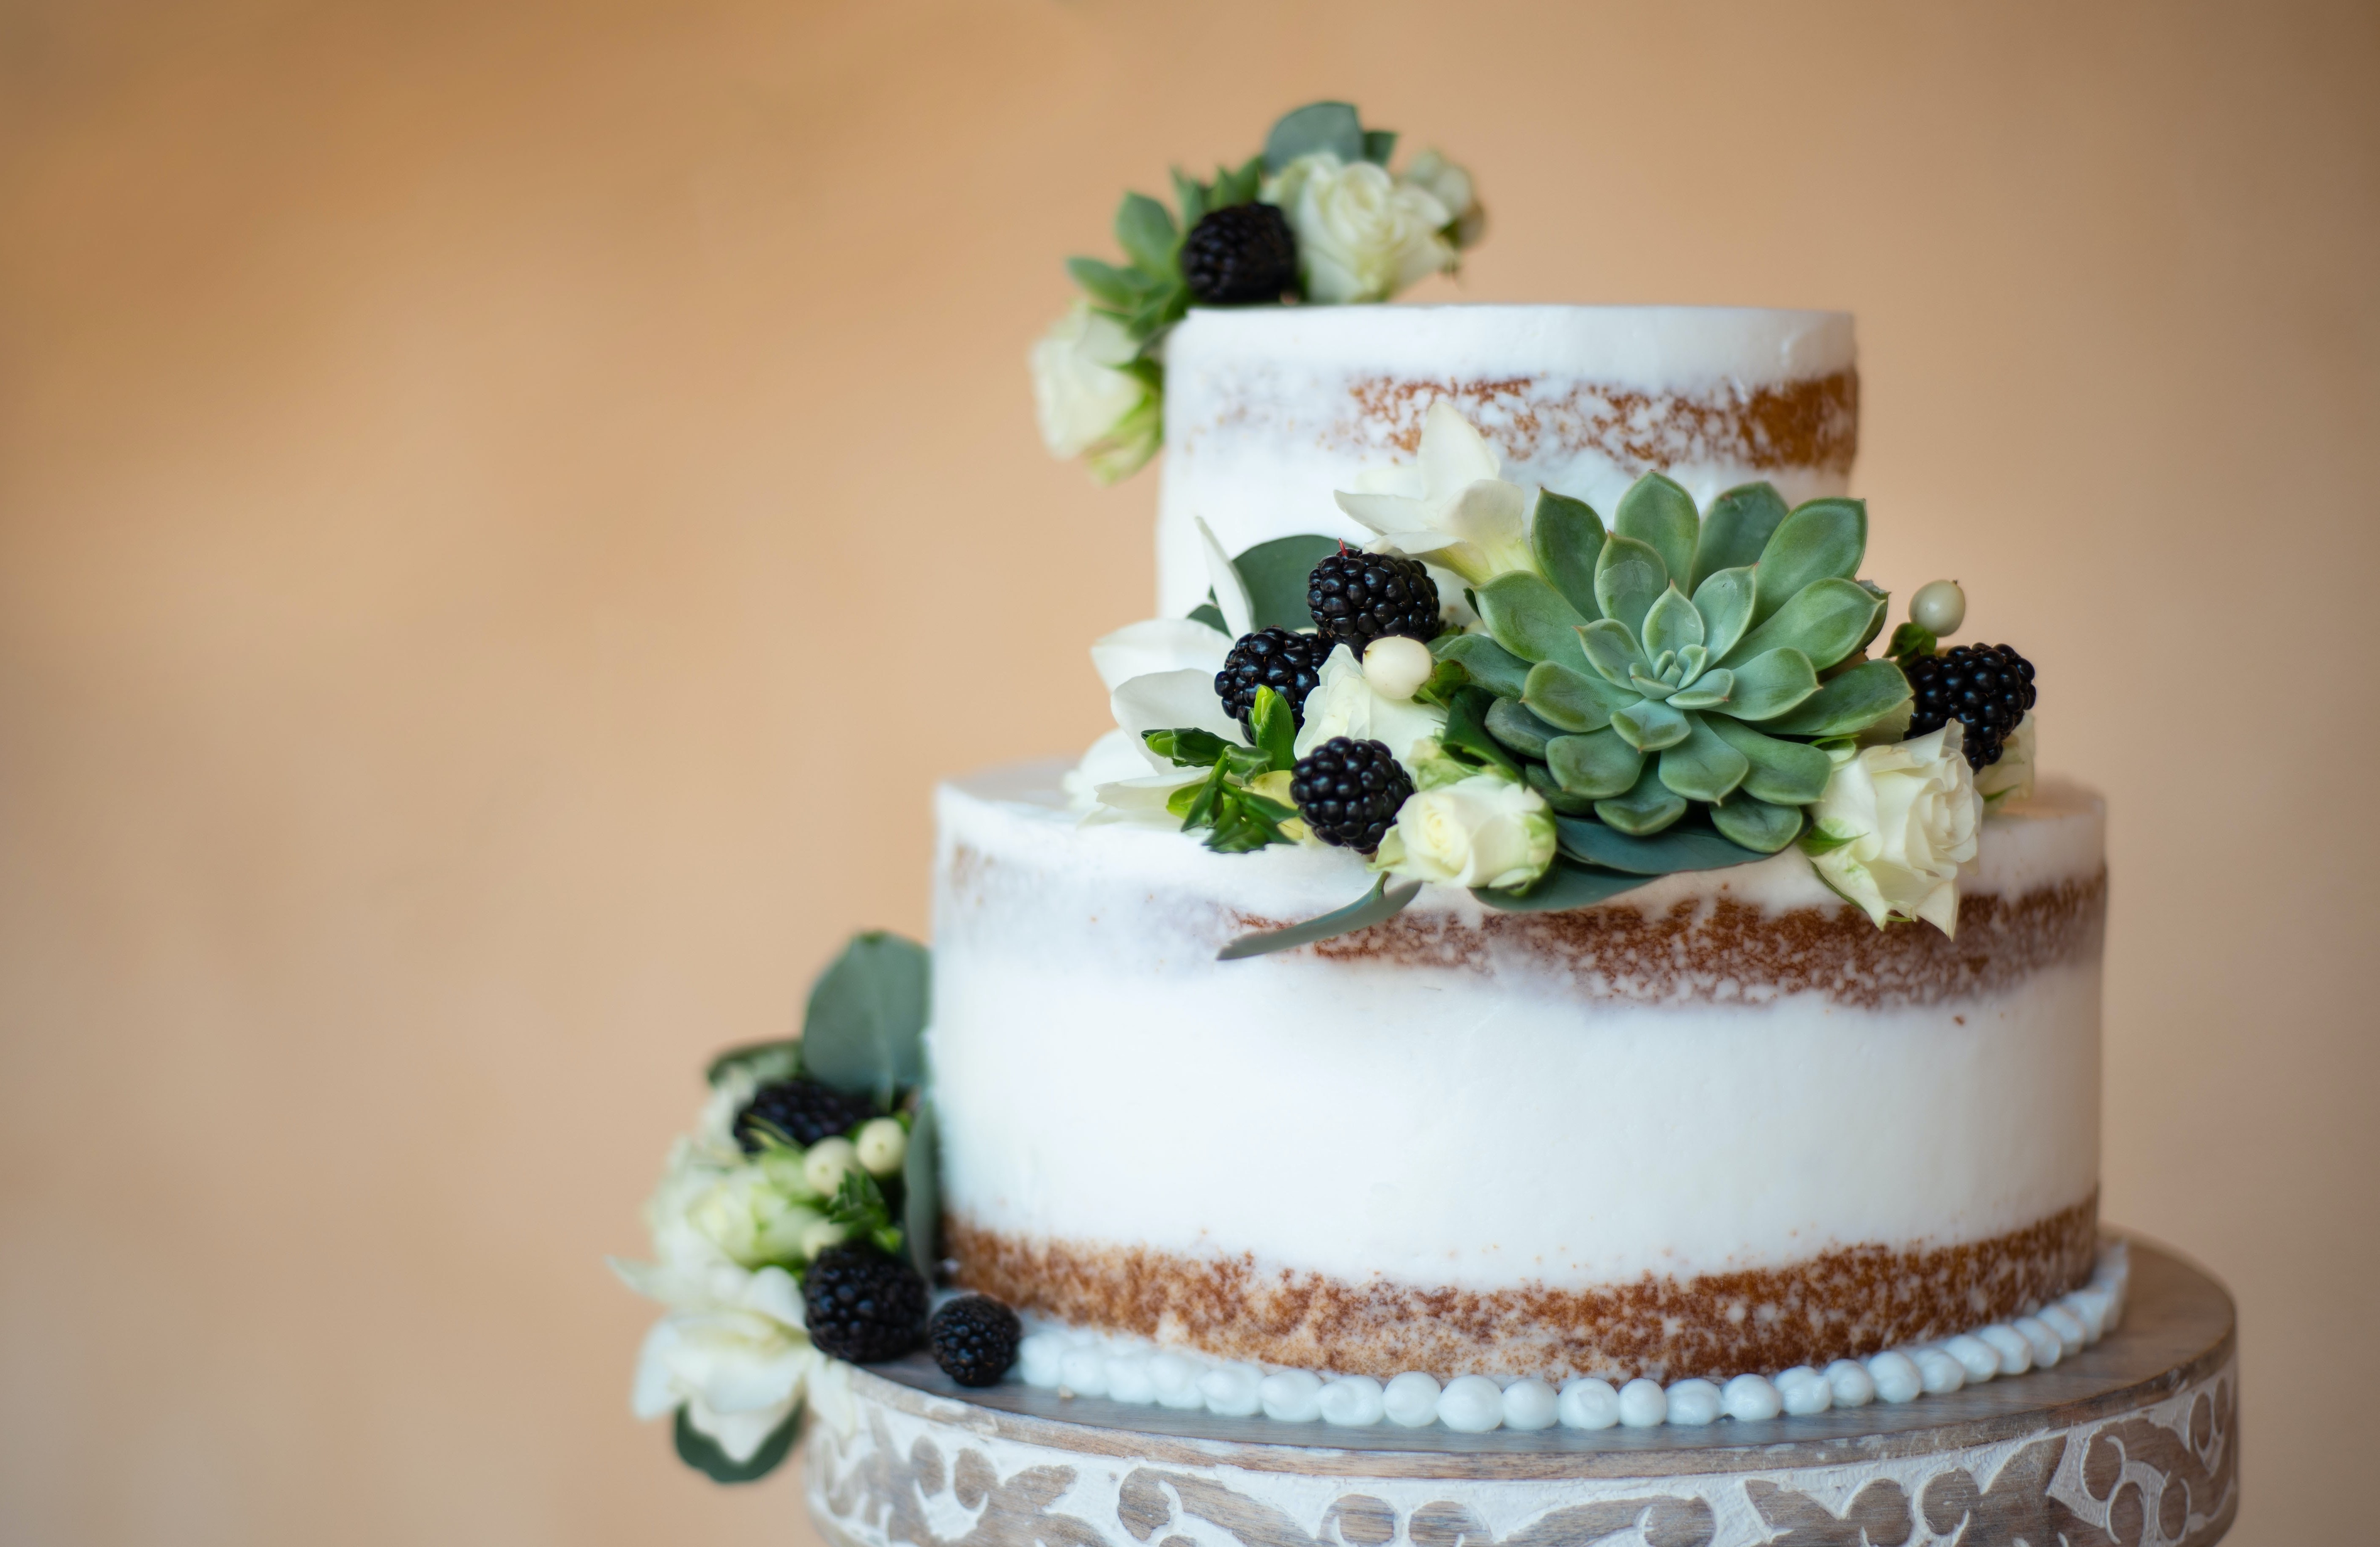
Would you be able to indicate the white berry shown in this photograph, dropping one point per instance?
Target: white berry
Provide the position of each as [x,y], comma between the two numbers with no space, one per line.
[826,1161]
[1938,607]
[881,1144]
[1395,666]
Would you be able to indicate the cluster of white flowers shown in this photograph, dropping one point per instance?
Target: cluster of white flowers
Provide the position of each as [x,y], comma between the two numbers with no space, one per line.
[1363,235]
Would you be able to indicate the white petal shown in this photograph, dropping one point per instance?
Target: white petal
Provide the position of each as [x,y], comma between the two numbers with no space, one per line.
[1149,793]
[1389,514]
[775,1294]
[1159,644]
[1168,701]
[1117,755]
[1452,453]
[1231,591]
[741,1435]
[655,1392]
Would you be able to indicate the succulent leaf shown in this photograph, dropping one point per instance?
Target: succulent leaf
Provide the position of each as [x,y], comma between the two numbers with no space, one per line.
[1787,772]
[1572,700]
[1846,704]
[1541,779]
[1646,809]
[1710,690]
[1490,664]
[1566,538]
[1657,513]
[1875,623]
[1599,765]
[1724,599]
[1757,824]
[1737,528]
[1824,621]
[1629,576]
[1649,726]
[1824,539]
[1529,617]
[1466,731]
[1703,767]
[1772,682]
[1513,725]
[1561,888]
[1682,848]
[1671,622]
[1611,649]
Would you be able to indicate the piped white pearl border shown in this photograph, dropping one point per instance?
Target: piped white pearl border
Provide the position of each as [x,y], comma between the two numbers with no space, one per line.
[1121,1370]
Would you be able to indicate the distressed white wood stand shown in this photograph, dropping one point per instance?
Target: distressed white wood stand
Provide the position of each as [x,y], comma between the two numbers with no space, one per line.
[2134,1442]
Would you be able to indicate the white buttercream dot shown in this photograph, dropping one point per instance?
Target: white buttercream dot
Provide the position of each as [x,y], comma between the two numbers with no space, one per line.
[1940,1371]
[1411,1399]
[1353,1402]
[1977,1357]
[1643,1403]
[1083,1371]
[1395,666]
[2090,1307]
[1128,1380]
[2016,1354]
[1896,1377]
[1852,1384]
[1038,1356]
[1292,1395]
[2046,1349]
[1471,1405]
[1587,1403]
[1529,1403]
[1176,1380]
[2068,1326]
[1695,1402]
[1231,1390]
[1752,1398]
[1804,1391]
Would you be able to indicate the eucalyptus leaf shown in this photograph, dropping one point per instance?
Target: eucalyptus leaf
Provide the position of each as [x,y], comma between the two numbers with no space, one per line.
[1511,724]
[1321,126]
[1824,539]
[1490,665]
[1596,766]
[1688,848]
[1757,824]
[1772,682]
[1572,700]
[1824,621]
[701,1452]
[1383,902]
[1657,513]
[1562,887]
[1147,233]
[1645,810]
[1629,576]
[781,1059]
[1528,617]
[1847,703]
[1736,528]
[1787,772]
[1724,599]
[1703,767]
[865,1029]
[1566,538]
[1611,649]
[1649,726]
[1466,731]
[1673,623]
[921,1190]
[1541,779]
[1278,576]
[1379,145]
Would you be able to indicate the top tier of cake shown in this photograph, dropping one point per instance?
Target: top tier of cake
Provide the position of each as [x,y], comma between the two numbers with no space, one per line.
[1268,409]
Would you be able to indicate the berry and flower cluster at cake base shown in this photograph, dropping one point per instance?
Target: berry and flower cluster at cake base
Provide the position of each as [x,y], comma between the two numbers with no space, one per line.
[1316,218]
[1505,692]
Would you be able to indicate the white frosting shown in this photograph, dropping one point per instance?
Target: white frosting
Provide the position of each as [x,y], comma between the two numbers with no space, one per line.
[1262,420]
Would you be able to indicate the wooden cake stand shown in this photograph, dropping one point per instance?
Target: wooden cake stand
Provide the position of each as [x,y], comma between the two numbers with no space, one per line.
[2132,1442]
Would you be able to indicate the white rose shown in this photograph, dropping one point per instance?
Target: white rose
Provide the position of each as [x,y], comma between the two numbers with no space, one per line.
[2012,777]
[737,1366]
[1901,821]
[1345,703]
[1362,236]
[1451,186]
[1483,831]
[1082,397]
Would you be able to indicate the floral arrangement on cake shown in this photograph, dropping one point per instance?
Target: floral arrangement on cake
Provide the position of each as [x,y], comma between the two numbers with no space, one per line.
[1318,217]
[1503,691]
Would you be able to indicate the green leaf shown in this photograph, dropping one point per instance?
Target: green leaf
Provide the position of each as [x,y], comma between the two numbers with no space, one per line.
[1187,746]
[1724,600]
[1191,195]
[1738,527]
[1629,576]
[1671,624]
[1572,700]
[1562,887]
[1512,724]
[1319,126]
[1490,665]
[1528,617]
[1541,779]
[1846,704]
[864,1030]
[1912,640]
[1210,614]
[1876,622]
[1824,621]
[780,1059]
[1596,766]
[1566,538]
[1657,513]
[701,1452]
[1649,726]
[1278,576]
[1273,728]
[1710,690]
[1611,649]
[1122,289]
[1145,232]
[1824,539]
[858,1204]
[1379,145]
[1645,810]
[1689,849]
[1703,767]
[1383,902]
[1787,773]
[1237,186]
[1772,682]
[1757,824]
[921,1190]
[1466,731]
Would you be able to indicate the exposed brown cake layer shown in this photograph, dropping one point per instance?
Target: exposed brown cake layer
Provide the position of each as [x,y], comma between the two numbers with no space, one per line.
[1845,1303]
[1810,424]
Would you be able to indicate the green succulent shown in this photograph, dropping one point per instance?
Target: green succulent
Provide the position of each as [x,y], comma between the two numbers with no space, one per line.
[1682,660]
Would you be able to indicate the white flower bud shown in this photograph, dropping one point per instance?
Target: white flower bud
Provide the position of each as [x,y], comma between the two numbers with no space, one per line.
[1396,666]
[823,1166]
[1938,607]
[881,1146]
[1079,393]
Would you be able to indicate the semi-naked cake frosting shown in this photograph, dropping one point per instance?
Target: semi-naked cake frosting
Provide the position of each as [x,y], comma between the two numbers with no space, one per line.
[1722,1122]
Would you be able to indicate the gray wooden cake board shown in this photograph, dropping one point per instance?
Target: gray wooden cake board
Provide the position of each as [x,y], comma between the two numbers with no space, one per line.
[2132,1442]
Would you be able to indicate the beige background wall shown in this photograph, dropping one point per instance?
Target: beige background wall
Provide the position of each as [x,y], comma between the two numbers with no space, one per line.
[507,510]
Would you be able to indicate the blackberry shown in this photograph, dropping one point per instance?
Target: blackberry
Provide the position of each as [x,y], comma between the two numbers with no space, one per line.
[1985,687]
[801,1109]
[975,1339]
[1348,792]
[861,1305]
[1358,597]
[1241,253]
[1287,663]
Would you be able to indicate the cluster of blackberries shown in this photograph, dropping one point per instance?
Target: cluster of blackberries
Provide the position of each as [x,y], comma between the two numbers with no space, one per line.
[800,1109]
[1357,597]
[1985,687]
[865,1306]
[1240,254]
[1349,791]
